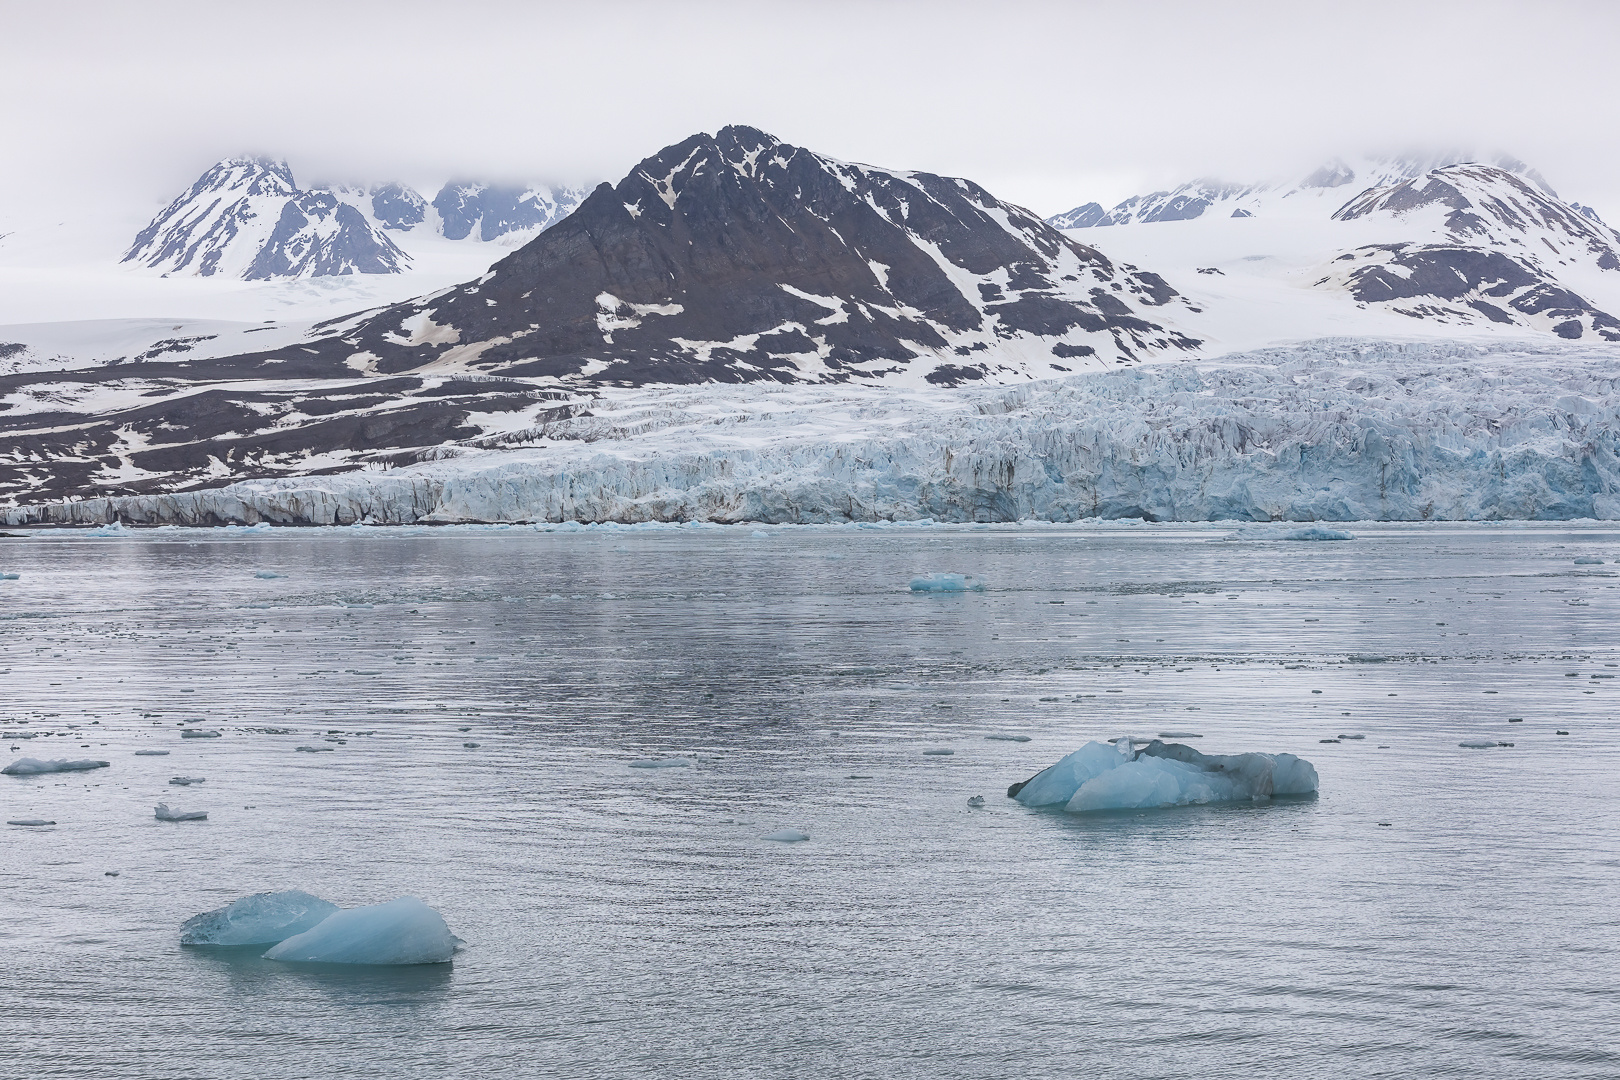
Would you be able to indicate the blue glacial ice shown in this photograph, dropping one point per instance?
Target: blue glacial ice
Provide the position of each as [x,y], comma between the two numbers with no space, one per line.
[1316,532]
[266,918]
[163,813]
[34,766]
[1123,777]
[945,583]
[403,931]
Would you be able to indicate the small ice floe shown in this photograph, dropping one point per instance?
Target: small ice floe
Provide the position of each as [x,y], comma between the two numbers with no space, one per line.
[946,583]
[34,766]
[266,918]
[163,813]
[1179,735]
[1587,560]
[403,931]
[1482,744]
[1367,658]
[1122,777]
[8,576]
[1560,731]
[1002,737]
[315,749]
[199,733]
[662,763]
[267,574]
[941,752]
[471,745]
[787,836]
[31,821]
[1316,532]
[759,534]
[1335,741]
[186,781]
[976,801]
[151,753]
[1355,738]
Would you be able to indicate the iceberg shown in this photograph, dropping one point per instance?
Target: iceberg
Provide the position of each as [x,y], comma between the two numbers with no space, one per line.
[945,583]
[186,781]
[34,766]
[1101,777]
[787,836]
[403,931]
[1317,533]
[163,813]
[30,821]
[266,918]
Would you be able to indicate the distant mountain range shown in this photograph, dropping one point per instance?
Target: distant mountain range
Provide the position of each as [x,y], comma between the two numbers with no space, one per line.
[247,218]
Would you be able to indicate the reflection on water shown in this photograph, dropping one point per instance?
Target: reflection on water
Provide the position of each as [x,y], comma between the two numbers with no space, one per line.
[1437,911]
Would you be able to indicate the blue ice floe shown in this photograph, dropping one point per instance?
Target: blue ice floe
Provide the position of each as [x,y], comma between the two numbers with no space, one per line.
[403,931]
[945,583]
[1316,532]
[266,918]
[34,766]
[1124,777]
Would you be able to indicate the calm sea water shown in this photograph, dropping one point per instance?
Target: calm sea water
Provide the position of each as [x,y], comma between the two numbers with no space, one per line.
[1437,912]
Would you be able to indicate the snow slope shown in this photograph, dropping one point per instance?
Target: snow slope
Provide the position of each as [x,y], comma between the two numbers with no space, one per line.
[1329,430]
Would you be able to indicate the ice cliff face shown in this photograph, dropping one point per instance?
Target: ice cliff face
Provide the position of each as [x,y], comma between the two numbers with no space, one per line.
[1333,430]
[246,218]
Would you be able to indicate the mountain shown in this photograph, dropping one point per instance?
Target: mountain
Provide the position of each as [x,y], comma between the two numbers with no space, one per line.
[246,218]
[1309,195]
[728,258]
[1503,251]
[737,257]
[496,211]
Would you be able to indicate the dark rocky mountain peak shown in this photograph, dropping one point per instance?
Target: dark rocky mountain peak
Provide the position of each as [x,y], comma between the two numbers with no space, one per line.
[736,257]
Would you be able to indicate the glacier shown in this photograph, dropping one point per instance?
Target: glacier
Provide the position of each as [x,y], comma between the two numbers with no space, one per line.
[403,931]
[1330,430]
[1122,777]
[266,918]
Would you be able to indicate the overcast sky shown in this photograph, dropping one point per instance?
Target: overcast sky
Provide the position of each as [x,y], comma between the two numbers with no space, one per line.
[1046,104]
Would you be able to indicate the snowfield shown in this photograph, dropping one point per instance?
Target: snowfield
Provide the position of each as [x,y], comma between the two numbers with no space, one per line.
[1331,430]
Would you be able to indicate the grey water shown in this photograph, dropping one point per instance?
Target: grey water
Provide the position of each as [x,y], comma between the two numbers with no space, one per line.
[1437,911]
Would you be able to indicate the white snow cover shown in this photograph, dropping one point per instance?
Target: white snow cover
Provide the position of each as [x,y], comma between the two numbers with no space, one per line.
[403,931]
[261,919]
[1333,430]
[1102,777]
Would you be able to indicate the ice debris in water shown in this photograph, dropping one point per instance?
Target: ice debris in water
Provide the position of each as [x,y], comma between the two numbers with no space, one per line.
[198,733]
[1482,744]
[186,781]
[267,574]
[151,753]
[1179,735]
[945,583]
[662,763]
[265,918]
[999,737]
[1102,777]
[1318,533]
[939,753]
[1587,560]
[9,577]
[30,821]
[163,813]
[787,836]
[976,801]
[403,931]
[34,766]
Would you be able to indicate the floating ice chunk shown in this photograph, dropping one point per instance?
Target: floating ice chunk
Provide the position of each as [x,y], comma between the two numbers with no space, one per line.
[1587,560]
[403,931]
[1316,532]
[9,577]
[163,813]
[267,574]
[1481,744]
[945,583]
[265,918]
[938,753]
[1000,737]
[662,763]
[186,781]
[34,766]
[198,733]
[1354,737]
[30,821]
[314,749]
[1179,735]
[151,753]
[1098,777]
[759,534]
[787,836]
[976,801]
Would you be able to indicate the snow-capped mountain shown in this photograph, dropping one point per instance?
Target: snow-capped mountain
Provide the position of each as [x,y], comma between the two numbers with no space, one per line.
[493,211]
[1316,194]
[736,257]
[1503,250]
[246,218]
